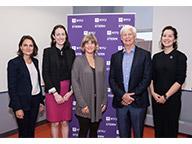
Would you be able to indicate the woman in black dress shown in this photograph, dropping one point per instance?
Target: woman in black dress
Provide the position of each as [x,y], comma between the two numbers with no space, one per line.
[169,72]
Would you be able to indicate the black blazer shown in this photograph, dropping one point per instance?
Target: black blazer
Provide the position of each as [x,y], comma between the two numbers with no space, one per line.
[51,66]
[19,84]
[140,77]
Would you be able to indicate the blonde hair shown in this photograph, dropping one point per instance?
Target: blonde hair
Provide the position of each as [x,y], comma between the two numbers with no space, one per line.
[86,39]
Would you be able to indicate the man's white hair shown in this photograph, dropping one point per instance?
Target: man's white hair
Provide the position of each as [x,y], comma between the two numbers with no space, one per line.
[128,27]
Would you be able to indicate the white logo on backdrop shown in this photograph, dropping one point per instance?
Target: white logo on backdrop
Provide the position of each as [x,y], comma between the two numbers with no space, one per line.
[74,129]
[74,47]
[108,63]
[107,118]
[109,32]
[101,54]
[73,20]
[117,131]
[102,48]
[120,47]
[124,19]
[96,20]
[100,20]
[74,103]
[120,19]
[88,32]
[108,90]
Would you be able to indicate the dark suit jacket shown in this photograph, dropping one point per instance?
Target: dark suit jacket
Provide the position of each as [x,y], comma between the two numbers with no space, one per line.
[19,84]
[140,77]
[51,66]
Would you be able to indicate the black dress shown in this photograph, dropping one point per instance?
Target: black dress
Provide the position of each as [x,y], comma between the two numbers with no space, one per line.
[167,69]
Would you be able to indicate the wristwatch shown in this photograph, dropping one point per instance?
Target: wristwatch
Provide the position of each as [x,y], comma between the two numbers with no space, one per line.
[166,97]
[54,92]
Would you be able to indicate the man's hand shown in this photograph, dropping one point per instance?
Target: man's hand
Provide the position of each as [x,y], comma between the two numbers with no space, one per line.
[127,99]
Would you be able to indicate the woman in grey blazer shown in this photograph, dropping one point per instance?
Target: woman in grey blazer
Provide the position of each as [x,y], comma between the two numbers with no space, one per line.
[89,85]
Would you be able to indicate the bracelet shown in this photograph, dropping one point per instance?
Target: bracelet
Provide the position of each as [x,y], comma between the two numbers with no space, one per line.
[166,97]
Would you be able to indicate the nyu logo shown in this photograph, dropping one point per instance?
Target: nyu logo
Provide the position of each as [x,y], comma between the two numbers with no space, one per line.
[88,32]
[121,19]
[74,20]
[108,118]
[100,20]
[74,103]
[108,90]
[74,129]
[117,132]
[102,48]
[120,47]
[75,48]
[108,63]
[109,32]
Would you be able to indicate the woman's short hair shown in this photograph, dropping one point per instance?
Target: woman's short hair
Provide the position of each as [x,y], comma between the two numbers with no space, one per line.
[175,45]
[128,27]
[86,39]
[35,48]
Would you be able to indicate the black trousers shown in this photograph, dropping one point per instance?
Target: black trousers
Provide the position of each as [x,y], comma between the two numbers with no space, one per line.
[86,126]
[26,126]
[166,118]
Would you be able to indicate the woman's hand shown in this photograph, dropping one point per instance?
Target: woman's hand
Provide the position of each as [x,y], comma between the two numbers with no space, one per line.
[19,114]
[162,100]
[85,110]
[41,107]
[58,98]
[67,95]
[156,97]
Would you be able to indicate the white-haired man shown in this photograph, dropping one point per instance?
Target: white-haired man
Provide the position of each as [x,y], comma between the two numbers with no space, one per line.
[130,75]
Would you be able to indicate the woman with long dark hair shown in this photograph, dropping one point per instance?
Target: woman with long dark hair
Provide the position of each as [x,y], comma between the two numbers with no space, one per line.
[169,72]
[57,64]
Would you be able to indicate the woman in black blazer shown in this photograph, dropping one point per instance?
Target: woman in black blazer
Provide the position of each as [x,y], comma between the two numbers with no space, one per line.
[57,64]
[24,87]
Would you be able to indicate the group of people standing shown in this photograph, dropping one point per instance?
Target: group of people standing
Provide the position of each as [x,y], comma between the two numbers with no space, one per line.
[131,72]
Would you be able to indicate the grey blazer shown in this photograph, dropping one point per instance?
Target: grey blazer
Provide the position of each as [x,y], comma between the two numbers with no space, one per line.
[83,86]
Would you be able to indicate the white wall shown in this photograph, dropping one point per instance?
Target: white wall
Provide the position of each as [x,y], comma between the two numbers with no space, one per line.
[180,18]
[18,21]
